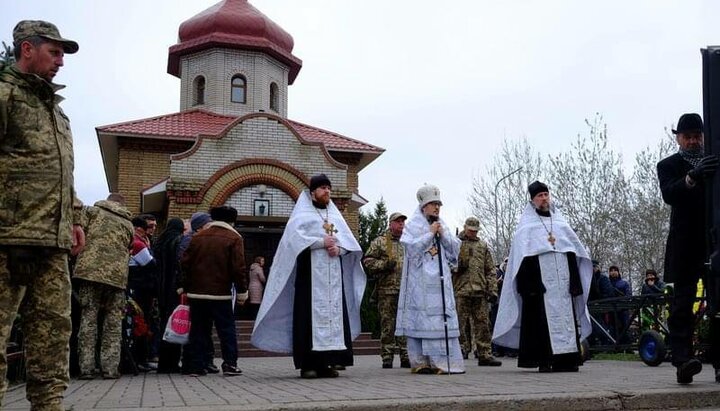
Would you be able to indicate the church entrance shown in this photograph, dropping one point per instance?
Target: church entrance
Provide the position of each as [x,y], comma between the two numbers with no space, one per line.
[261,238]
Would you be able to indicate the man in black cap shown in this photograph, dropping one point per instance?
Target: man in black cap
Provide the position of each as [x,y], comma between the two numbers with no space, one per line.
[311,305]
[213,263]
[543,304]
[683,177]
[39,214]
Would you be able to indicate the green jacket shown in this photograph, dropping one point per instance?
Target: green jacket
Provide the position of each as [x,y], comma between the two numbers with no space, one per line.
[108,234]
[36,163]
[475,275]
[379,263]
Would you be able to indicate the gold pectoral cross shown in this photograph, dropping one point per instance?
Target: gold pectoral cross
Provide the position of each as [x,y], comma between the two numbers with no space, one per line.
[329,228]
[551,239]
[433,251]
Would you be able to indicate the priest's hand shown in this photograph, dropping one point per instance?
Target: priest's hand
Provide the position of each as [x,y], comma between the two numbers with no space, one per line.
[436,228]
[329,241]
[333,251]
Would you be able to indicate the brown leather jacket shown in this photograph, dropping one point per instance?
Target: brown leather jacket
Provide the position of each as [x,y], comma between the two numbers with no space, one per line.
[213,262]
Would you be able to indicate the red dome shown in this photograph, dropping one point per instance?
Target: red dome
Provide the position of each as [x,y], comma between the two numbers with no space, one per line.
[233,24]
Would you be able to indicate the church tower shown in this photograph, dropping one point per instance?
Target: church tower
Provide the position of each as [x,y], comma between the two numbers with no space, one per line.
[233,60]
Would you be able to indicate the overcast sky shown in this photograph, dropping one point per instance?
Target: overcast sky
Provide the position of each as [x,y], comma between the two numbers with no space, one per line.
[437,84]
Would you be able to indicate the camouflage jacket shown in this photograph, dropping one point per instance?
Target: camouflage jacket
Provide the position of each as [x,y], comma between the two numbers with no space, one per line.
[378,262]
[108,232]
[475,274]
[36,163]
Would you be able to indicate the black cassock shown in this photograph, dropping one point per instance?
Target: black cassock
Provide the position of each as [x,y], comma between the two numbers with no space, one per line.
[303,355]
[535,349]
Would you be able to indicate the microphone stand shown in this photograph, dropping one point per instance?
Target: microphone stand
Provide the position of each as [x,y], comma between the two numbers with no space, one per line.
[442,291]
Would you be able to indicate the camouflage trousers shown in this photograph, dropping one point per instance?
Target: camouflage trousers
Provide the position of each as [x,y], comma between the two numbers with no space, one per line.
[387,307]
[96,298]
[473,313]
[44,308]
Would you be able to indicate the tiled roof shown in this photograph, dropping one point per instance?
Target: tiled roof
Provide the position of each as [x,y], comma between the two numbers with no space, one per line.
[187,125]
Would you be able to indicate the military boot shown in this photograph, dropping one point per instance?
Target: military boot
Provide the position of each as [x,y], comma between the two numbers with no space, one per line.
[387,363]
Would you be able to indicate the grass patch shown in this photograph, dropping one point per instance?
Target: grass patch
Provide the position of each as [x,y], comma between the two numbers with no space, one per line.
[620,356]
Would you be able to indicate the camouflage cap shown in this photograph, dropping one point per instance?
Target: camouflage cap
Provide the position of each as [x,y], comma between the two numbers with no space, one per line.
[396,215]
[472,224]
[30,28]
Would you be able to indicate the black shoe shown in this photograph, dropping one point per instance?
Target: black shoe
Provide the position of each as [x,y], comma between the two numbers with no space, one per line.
[465,356]
[687,370]
[327,373]
[545,368]
[87,376]
[717,375]
[230,370]
[426,370]
[212,369]
[489,362]
[405,363]
[338,367]
[387,364]
[308,374]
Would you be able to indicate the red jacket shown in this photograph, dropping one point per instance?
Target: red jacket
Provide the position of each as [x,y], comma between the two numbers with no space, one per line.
[213,262]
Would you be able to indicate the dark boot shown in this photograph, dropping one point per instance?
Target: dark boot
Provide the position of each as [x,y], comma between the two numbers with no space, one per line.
[687,370]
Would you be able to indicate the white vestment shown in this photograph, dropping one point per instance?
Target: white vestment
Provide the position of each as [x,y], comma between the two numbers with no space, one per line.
[420,314]
[274,324]
[562,310]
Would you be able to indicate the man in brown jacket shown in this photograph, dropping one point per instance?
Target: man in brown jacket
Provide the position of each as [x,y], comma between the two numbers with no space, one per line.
[214,263]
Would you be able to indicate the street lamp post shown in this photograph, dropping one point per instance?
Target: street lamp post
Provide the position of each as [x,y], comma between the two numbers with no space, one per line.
[497,235]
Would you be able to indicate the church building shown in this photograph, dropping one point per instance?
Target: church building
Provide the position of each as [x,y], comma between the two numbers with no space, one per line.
[231,143]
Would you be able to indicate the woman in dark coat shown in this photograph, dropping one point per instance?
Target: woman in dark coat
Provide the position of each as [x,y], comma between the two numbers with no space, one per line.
[165,252]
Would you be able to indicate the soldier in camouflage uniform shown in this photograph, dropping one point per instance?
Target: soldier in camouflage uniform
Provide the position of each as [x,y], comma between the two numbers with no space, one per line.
[101,274]
[36,212]
[475,287]
[384,261]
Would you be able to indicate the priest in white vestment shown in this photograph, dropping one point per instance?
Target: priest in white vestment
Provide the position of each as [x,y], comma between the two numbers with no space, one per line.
[311,306]
[426,305]
[542,310]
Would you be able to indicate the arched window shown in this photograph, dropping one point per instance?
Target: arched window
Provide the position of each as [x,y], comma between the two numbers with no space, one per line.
[199,91]
[274,97]
[238,89]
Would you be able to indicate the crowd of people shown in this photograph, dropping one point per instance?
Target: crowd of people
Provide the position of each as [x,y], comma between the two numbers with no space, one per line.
[438,291]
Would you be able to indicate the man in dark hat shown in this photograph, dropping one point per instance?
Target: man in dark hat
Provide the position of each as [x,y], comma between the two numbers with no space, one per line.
[311,305]
[544,298]
[213,263]
[683,177]
[39,214]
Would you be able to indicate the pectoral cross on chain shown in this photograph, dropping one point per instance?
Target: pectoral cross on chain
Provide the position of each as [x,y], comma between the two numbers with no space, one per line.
[433,251]
[329,228]
[551,240]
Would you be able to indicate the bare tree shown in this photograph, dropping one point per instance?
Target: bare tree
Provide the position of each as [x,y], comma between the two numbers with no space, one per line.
[589,185]
[649,221]
[510,194]
[6,55]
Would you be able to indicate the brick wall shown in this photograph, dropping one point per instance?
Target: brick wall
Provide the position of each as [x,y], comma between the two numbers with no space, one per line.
[218,66]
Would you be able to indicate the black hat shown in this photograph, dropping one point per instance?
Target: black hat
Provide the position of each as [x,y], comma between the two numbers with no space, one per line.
[536,188]
[225,214]
[689,122]
[319,181]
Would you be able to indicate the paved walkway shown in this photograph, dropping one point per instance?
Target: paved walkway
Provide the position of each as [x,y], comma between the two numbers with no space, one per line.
[273,384]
